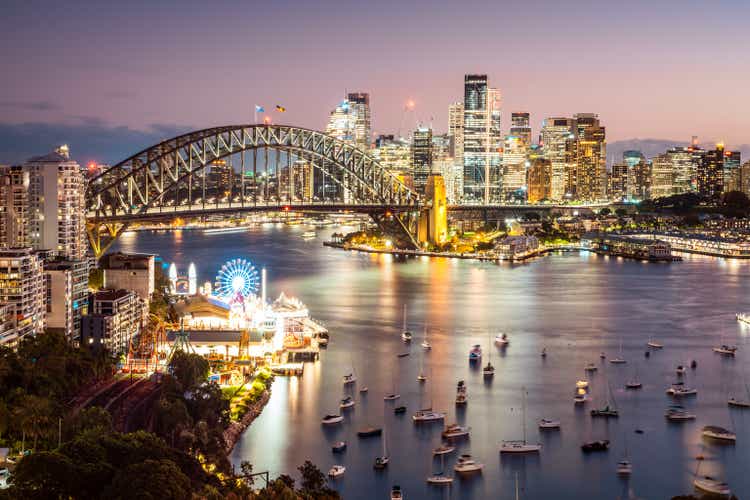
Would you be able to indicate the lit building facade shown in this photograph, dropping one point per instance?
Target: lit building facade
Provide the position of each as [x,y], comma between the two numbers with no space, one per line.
[587,180]
[711,173]
[456,135]
[359,105]
[617,182]
[732,163]
[394,154]
[14,207]
[482,141]
[117,316]
[662,177]
[558,146]
[515,153]
[421,154]
[66,296]
[639,175]
[135,272]
[539,180]
[22,287]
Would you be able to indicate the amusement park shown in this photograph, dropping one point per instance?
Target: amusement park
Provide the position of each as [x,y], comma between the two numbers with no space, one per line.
[231,323]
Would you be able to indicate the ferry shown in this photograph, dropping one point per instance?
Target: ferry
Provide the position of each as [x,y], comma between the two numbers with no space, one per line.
[220,230]
[308,235]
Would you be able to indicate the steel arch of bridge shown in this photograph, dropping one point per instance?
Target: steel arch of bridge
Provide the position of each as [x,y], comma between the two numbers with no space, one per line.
[141,184]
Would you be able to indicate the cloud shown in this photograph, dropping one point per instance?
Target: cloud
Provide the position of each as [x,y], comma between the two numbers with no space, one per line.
[89,139]
[30,105]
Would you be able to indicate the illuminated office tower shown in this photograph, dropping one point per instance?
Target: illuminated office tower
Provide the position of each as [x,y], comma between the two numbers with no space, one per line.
[711,173]
[587,180]
[732,162]
[342,122]
[359,106]
[394,154]
[745,178]
[456,134]
[558,146]
[520,126]
[421,154]
[684,169]
[617,182]
[539,180]
[14,207]
[662,176]
[514,157]
[296,181]
[482,141]
[22,289]
[639,175]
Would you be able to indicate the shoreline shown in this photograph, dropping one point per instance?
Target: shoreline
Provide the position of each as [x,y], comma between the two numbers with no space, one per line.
[236,429]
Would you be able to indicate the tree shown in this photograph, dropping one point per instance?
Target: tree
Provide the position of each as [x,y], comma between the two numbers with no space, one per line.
[621,212]
[737,202]
[313,479]
[35,414]
[88,419]
[150,480]
[189,369]
[605,211]
[43,475]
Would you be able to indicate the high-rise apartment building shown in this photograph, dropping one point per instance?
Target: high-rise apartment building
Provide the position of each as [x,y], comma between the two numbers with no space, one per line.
[57,214]
[14,207]
[617,182]
[587,180]
[359,105]
[421,154]
[482,141]
[117,316]
[732,162]
[558,141]
[66,285]
[22,287]
[711,173]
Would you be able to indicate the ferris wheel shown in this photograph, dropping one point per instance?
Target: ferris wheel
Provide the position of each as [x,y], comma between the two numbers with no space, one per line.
[237,277]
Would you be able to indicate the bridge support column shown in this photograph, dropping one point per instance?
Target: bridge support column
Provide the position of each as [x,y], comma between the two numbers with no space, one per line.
[433,221]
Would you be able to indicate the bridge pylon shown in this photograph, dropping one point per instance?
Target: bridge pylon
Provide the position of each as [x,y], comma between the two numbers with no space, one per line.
[433,218]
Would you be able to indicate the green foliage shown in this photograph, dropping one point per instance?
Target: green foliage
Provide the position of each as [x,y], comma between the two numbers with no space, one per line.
[621,212]
[189,369]
[605,211]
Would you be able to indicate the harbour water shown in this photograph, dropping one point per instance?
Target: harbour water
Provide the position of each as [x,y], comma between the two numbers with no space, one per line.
[574,305]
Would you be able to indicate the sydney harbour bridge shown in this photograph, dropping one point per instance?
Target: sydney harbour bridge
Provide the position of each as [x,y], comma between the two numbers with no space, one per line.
[170,180]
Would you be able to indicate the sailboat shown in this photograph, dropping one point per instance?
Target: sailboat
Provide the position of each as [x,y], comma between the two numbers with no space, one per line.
[425,344]
[521,446]
[739,403]
[608,410]
[654,345]
[381,462]
[709,484]
[619,359]
[634,383]
[489,370]
[393,395]
[624,467]
[351,377]
[440,478]
[427,414]
[406,335]
[421,377]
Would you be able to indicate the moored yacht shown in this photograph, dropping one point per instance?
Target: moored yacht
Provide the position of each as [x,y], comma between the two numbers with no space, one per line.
[443,449]
[738,403]
[654,345]
[455,431]
[547,423]
[332,419]
[475,353]
[607,412]
[428,415]
[391,397]
[602,445]
[502,339]
[712,486]
[679,389]
[633,384]
[349,378]
[678,414]
[347,402]
[488,371]
[726,350]
[466,464]
[336,471]
[396,493]
[624,468]
[590,367]
[406,335]
[461,396]
[719,434]
[338,446]
[580,398]
[519,447]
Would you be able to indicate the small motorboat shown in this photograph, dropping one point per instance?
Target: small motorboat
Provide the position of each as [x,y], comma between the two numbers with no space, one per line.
[582,384]
[680,370]
[519,447]
[738,403]
[475,353]
[633,384]
[347,402]
[336,471]
[719,434]
[693,364]
[488,371]
[461,396]
[678,414]
[502,340]
[443,450]
[544,352]
[332,419]
[580,399]
[363,390]
[607,412]
[427,415]
[381,462]
[308,235]
[602,355]
[369,432]
[406,336]
[712,486]
[617,361]
[402,354]
[466,464]
[654,345]
[624,468]
[455,431]
[323,342]
[726,350]
[399,409]
[678,390]
[426,345]
[338,446]
[590,367]
[549,424]
[349,379]
[602,445]
[421,377]
[396,493]
[391,397]
[440,479]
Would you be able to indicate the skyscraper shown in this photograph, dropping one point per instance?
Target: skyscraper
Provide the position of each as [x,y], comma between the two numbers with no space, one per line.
[711,173]
[639,175]
[539,180]
[617,187]
[520,126]
[732,162]
[558,146]
[662,176]
[456,135]
[394,154]
[359,104]
[587,182]
[482,141]
[421,154]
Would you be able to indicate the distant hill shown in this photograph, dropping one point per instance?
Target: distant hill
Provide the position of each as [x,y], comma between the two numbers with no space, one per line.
[654,147]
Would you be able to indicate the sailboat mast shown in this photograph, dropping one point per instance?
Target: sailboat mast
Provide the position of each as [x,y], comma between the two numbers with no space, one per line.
[523,415]
[404,317]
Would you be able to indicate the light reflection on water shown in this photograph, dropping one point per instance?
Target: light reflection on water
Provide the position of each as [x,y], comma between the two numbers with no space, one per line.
[575,305]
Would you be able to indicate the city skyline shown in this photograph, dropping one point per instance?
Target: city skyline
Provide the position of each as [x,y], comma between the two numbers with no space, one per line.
[627,71]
